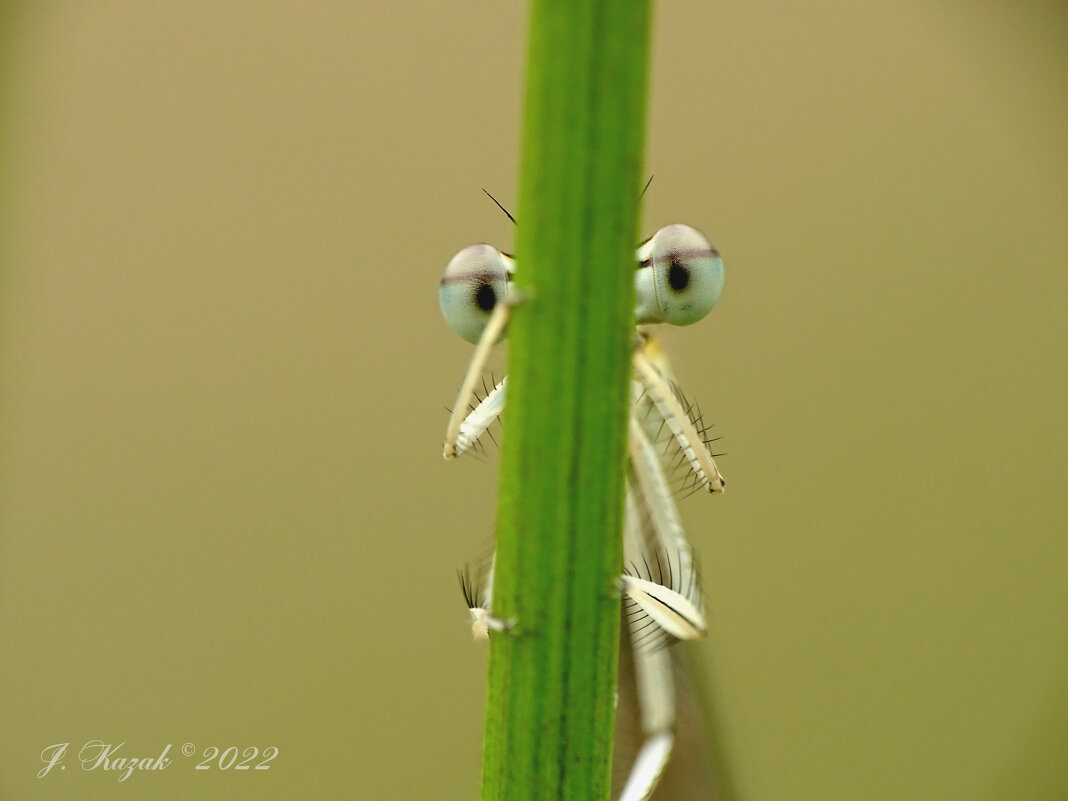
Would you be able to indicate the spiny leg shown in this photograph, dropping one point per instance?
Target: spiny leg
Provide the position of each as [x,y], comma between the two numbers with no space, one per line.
[654,683]
[478,420]
[655,688]
[490,335]
[655,494]
[678,604]
[691,443]
[476,583]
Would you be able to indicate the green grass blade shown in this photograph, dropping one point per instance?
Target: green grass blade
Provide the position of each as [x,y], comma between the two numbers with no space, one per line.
[551,687]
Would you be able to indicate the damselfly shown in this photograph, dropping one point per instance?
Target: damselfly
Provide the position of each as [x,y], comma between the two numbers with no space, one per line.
[678,280]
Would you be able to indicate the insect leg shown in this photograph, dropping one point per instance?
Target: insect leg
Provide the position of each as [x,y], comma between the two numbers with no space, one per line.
[498,319]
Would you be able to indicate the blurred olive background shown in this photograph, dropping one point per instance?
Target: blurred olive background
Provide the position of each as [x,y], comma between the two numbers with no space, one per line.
[223,378]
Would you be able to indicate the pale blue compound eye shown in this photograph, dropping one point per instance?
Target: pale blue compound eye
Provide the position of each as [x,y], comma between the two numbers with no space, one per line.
[679,278]
[475,281]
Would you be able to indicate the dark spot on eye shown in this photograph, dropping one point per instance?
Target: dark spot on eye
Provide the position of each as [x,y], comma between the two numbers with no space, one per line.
[485,297]
[678,276]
